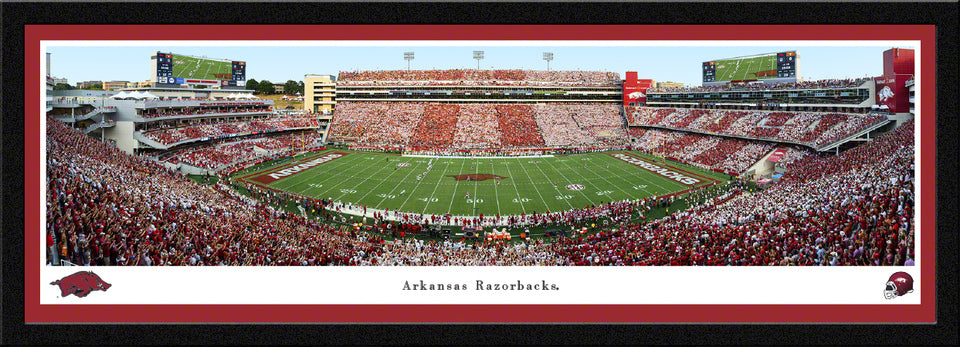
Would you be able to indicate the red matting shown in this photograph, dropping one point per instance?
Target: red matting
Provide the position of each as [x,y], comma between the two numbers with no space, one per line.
[34,312]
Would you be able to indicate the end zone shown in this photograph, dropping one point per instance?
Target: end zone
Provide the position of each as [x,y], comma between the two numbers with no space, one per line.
[279,173]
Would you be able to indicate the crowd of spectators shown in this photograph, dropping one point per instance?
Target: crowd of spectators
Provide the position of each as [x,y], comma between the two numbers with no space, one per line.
[793,155]
[105,207]
[376,123]
[421,126]
[478,77]
[218,155]
[437,127]
[477,127]
[853,209]
[518,126]
[198,129]
[558,128]
[709,152]
[192,111]
[600,121]
[814,129]
[818,84]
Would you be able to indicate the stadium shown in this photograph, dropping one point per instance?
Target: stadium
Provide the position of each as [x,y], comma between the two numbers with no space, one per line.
[487,167]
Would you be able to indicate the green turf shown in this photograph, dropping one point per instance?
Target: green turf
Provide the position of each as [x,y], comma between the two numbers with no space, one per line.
[746,68]
[375,180]
[203,179]
[200,68]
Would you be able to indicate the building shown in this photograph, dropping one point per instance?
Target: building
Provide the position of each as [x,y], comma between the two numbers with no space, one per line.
[60,80]
[319,93]
[912,88]
[131,84]
[115,85]
[171,93]
[277,88]
[86,84]
[51,82]
[669,84]
[123,121]
[145,84]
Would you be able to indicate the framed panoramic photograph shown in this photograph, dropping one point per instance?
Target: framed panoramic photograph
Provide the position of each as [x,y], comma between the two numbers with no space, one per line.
[480,174]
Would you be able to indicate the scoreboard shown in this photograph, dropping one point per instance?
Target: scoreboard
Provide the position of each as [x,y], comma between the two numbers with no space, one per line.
[164,66]
[767,67]
[787,64]
[183,69]
[710,71]
[239,70]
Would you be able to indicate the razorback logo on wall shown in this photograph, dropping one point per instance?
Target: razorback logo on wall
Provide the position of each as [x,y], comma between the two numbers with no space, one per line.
[635,90]
[891,91]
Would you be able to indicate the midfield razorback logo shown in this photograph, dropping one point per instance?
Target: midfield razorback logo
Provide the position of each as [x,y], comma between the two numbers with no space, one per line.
[476,177]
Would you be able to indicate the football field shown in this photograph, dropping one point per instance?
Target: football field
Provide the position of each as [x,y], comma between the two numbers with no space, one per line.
[746,69]
[470,187]
[190,67]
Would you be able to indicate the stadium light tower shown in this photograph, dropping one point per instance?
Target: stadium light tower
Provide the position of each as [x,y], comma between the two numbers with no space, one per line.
[548,56]
[408,56]
[478,55]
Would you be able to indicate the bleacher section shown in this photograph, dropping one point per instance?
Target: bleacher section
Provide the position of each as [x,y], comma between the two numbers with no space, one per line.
[816,130]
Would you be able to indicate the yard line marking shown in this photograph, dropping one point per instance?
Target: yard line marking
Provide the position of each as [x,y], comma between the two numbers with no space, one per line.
[476,184]
[326,168]
[454,196]
[605,179]
[496,194]
[645,179]
[442,175]
[538,190]
[323,172]
[519,198]
[355,175]
[309,179]
[410,172]
[571,182]
[384,180]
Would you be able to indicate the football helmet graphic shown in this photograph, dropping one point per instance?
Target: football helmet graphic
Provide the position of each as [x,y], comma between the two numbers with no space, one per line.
[900,283]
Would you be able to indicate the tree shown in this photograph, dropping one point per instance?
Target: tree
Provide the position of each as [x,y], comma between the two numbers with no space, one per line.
[265,87]
[63,86]
[291,87]
[300,87]
[97,86]
[253,85]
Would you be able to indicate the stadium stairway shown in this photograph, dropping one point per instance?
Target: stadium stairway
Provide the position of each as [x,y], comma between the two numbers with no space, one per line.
[855,137]
[758,167]
[69,118]
[150,142]
[623,118]
[93,127]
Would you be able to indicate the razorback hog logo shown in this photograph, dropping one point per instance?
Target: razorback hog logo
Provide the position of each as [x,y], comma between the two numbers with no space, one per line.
[635,95]
[885,93]
[476,177]
[81,284]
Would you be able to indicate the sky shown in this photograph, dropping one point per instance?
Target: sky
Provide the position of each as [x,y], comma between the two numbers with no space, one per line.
[282,63]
